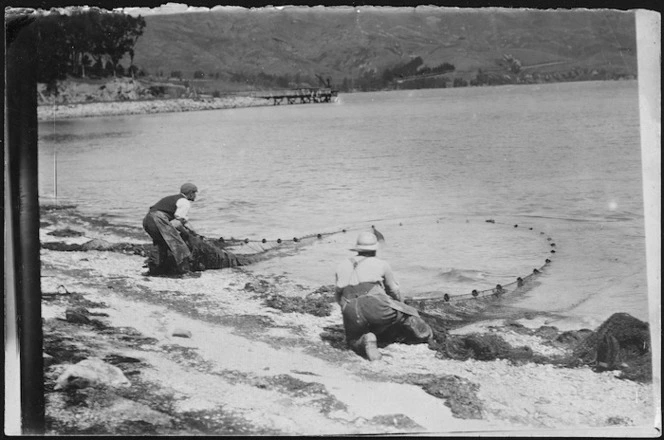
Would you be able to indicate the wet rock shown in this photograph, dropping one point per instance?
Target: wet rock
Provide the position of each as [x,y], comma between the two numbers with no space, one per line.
[181,333]
[77,315]
[547,332]
[67,232]
[96,244]
[91,372]
[48,360]
[61,247]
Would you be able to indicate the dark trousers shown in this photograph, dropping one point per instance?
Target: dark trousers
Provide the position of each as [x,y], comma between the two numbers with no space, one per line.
[170,254]
[372,313]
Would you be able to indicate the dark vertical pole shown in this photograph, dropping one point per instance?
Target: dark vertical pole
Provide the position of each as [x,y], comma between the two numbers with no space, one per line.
[21,138]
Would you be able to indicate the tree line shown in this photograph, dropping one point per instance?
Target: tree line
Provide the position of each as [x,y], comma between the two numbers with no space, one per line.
[413,74]
[86,42]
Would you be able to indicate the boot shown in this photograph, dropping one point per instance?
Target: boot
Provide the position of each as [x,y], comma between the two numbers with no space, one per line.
[369,343]
[418,328]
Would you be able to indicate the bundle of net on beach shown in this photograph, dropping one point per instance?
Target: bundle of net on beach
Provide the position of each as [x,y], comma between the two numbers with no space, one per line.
[622,343]
[216,254]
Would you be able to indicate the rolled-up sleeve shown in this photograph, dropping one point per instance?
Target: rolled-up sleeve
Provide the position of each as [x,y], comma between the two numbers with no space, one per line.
[391,284]
[182,209]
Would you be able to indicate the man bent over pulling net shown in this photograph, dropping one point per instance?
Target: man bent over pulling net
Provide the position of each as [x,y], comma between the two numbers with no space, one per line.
[371,304]
[177,248]
[164,222]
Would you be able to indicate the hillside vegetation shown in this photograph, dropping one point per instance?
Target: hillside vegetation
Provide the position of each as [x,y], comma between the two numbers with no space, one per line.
[355,47]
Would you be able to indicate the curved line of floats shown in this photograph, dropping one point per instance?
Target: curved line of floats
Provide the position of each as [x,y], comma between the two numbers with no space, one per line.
[520,283]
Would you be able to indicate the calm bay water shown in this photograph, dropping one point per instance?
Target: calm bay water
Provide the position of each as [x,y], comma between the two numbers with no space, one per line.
[426,167]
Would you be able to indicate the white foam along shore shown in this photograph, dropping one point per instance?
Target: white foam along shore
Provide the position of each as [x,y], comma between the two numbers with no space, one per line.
[526,399]
[47,112]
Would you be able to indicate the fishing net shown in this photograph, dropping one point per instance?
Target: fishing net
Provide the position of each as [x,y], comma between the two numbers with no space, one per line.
[219,253]
[208,254]
[621,343]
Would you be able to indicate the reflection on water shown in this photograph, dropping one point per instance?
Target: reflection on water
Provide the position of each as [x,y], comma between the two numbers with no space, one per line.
[64,138]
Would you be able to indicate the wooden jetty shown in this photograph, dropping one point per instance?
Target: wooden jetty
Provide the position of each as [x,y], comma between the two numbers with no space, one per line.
[301,96]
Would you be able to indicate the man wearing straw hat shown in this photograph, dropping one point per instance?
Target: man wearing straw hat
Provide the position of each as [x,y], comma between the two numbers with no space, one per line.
[165,222]
[371,303]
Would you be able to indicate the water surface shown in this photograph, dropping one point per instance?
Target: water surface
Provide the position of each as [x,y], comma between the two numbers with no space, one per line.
[426,167]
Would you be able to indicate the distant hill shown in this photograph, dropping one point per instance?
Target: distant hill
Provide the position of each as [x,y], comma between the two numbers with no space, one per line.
[340,43]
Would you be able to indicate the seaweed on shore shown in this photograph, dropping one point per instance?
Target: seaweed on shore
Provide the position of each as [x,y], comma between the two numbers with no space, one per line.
[459,393]
[320,306]
[484,347]
[98,245]
[621,343]
[103,410]
[66,232]
[55,207]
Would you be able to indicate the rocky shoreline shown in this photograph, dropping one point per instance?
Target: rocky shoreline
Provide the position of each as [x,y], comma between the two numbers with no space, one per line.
[230,352]
[46,112]
[127,96]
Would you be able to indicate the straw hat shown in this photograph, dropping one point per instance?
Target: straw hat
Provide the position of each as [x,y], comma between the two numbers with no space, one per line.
[366,241]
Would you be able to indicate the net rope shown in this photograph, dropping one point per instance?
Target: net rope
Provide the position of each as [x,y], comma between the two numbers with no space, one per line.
[254,250]
[519,285]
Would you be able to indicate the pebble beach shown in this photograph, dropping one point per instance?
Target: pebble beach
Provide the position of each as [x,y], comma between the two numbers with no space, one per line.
[125,96]
[209,355]
[48,112]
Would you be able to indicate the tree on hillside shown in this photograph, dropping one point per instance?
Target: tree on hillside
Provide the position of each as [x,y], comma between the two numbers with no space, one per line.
[121,32]
[413,69]
[98,67]
[67,43]
[52,54]
[81,28]
[135,31]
